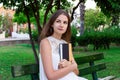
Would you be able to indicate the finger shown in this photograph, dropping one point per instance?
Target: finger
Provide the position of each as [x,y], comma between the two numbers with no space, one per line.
[72,61]
[62,60]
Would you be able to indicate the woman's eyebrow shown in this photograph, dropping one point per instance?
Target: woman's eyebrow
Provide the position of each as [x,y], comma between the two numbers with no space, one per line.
[57,19]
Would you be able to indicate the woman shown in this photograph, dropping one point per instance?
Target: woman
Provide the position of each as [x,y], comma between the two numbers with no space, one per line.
[56,31]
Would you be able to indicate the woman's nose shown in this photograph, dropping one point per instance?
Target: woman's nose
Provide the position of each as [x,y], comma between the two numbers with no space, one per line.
[62,24]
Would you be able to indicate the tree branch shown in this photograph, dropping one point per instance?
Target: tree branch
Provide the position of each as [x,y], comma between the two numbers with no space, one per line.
[47,11]
[58,4]
[74,10]
[80,1]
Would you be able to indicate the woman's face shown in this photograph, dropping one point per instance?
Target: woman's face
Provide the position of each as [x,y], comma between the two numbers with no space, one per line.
[60,25]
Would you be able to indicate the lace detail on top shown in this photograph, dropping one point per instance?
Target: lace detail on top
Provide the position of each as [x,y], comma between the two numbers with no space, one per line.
[55,45]
[55,42]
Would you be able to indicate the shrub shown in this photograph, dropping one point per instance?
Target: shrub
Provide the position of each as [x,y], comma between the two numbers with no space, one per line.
[73,36]
[35,35]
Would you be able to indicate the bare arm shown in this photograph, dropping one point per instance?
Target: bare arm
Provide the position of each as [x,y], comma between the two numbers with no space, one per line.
[65,63]
[76,71]
[46,55]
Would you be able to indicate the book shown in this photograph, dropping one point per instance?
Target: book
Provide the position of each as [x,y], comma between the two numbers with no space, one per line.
[65,50]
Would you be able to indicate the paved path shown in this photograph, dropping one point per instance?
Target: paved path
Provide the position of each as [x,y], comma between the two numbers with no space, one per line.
[12,41]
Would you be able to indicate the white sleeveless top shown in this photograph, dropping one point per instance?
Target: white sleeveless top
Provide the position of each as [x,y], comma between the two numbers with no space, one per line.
[54,43]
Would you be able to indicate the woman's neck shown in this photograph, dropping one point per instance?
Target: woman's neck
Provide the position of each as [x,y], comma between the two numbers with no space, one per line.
[57,36]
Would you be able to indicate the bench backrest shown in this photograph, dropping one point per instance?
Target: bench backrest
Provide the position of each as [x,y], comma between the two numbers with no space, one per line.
[92,68]
[21,70]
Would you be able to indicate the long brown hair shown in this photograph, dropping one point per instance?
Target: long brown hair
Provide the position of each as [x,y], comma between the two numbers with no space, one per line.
[48,30]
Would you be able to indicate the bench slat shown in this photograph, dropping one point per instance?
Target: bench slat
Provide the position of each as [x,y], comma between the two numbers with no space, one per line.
[89,58]
[92,69]
[21,70]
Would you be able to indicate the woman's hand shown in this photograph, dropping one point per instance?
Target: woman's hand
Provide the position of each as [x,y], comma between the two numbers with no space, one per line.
[74,64]
[64,63]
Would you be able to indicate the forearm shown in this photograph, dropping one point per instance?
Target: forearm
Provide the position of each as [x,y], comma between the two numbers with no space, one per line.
[57,74]
[76,71]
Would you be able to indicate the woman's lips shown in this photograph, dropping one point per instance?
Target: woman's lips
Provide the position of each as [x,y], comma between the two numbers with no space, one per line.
[60,29]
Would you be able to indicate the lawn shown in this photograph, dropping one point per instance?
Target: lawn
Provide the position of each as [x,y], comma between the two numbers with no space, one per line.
[23,54]
[14,55]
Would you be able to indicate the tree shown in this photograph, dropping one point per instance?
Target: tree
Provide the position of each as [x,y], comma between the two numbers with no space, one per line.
[20,18]
[94,19]
[1,18]
[82,12]
[6,24]
[29,8]
[110,8]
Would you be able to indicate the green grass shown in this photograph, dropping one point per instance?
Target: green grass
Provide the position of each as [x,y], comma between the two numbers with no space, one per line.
[14,55]
[23,54]
[112,60]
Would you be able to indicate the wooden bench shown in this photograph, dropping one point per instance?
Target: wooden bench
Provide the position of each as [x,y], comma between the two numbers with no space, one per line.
[33,69]
[92,68]
[30,69]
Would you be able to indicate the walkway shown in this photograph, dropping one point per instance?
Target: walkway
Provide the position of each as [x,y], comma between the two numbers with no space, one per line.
[12,41]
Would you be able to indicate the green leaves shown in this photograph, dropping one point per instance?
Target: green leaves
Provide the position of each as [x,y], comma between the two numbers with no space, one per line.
[21,18]
[109,6]
[94,18]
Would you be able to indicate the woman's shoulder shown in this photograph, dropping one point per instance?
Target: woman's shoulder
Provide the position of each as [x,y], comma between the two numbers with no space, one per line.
[44,41]
[64,41]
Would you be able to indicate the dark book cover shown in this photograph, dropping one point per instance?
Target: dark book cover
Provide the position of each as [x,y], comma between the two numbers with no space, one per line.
[65,51]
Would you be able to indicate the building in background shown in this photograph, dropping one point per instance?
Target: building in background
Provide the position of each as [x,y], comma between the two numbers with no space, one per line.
[14,28]
[6,22]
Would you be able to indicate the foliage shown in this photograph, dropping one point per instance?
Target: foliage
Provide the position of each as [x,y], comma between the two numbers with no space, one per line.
[100,39]
[23,30]
[5,24]
[94,18]
[35,35]
[0,20]
[73,37]
[83,39]
[115,34]
[1,24]
[110,8]
[20,18]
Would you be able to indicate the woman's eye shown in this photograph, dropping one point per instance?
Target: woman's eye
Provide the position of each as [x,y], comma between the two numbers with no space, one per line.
[65,22]
[58,21]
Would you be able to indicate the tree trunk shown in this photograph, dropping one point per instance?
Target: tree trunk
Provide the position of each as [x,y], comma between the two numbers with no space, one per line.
[47,11]
[37,17]
[82,12]
[74,11]
[29,28]
[58,4]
